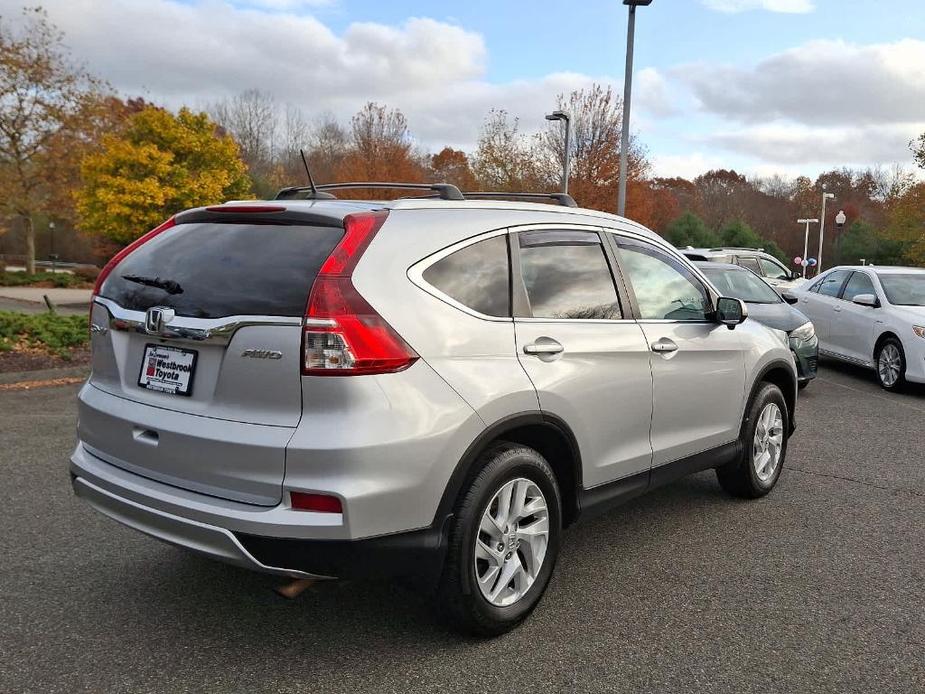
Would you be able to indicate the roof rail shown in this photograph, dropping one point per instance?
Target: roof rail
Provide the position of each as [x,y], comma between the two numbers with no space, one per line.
[445,191]
[563,199]
[736,248]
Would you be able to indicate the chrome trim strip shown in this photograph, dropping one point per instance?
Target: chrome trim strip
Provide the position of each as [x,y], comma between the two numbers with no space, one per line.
[186,329]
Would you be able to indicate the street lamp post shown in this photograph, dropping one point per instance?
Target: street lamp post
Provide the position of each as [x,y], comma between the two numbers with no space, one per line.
[807,222]
[564,117]
[825,197]
[627,94]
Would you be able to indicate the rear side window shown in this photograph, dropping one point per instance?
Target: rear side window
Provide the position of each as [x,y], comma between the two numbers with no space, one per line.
[477,276]
[211,270]
[750,263]
[566,275]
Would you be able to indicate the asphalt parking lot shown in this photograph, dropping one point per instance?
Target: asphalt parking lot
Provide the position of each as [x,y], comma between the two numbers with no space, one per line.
[818,587]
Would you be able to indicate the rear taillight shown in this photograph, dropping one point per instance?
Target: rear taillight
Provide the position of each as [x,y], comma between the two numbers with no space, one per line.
[120,256]
[343,334]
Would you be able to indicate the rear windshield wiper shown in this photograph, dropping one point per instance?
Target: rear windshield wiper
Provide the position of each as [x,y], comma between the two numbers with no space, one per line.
[168,286]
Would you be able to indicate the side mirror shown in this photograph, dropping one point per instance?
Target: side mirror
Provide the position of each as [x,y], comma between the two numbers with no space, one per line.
[869,300]
[730,312]
[789,298]
[796,275]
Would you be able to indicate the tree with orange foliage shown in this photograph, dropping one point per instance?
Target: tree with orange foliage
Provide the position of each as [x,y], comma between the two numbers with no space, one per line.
[504,159]
[452,166]
[381,149]
[596,115]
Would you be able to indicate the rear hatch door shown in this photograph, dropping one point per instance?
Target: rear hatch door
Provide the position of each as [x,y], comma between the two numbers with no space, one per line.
[204,320]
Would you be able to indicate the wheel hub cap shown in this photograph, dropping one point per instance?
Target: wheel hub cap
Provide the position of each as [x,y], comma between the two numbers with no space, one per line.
[511,542]
[769,438]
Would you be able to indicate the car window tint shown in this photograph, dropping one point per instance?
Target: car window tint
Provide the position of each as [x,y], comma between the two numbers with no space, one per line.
[224,269]
[477,276]
[859,283]
[771,269]
[566,275]
[665,289]
[831,283]
[751,264]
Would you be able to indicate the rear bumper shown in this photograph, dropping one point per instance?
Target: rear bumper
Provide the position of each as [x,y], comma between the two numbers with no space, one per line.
[209,540]
[274,540]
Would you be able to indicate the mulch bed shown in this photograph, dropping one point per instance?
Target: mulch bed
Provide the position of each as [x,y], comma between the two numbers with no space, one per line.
[35,360]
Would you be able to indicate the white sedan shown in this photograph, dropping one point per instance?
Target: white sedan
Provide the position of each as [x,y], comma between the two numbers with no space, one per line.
[872,316]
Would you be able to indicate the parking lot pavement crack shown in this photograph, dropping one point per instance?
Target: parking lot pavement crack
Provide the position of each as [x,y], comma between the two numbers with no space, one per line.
[857,481]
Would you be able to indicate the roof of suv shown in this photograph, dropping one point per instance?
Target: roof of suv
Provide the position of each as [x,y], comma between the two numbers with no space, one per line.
[340,208]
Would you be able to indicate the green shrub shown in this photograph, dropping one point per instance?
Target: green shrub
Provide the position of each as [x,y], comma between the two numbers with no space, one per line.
[52,332]
[56,279]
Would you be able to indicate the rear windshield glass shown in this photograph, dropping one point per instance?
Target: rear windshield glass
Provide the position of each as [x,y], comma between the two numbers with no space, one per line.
[209,270]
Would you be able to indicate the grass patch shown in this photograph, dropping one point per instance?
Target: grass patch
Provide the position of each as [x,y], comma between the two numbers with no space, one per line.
[43,279]
[48,332]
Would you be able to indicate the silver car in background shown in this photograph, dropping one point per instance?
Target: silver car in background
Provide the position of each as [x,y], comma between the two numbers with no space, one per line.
[871,316]
[431,388]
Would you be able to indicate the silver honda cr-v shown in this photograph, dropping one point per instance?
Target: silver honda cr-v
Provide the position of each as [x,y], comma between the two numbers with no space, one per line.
[428,388]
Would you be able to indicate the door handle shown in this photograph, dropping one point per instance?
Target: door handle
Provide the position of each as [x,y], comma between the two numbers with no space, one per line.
[837,309]
[664,346]
[551,347]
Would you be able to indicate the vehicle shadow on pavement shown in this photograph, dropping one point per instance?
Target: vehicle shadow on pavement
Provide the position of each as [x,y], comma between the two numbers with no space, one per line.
[850,374]
[181,596]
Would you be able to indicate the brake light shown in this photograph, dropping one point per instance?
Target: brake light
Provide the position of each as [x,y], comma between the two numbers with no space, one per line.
[343,335]
[120,256]
[246,209]
[320,503]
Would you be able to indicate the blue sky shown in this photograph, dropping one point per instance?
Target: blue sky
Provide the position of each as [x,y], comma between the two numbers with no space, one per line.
[764,86]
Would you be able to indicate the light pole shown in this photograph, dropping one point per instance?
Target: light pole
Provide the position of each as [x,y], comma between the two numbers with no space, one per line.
[825,197]
[840,220]
[807,222]
[52,255]
[627,94]
[564,117]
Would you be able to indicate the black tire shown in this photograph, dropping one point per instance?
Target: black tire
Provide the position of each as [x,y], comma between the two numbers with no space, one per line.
[460,599]
[802,385]
[740,479]
[901,381]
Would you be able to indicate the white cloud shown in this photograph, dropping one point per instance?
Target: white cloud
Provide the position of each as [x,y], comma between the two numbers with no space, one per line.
[789,143]
[198,52]
[787,6]
[820,82]
[653,95]
[687,166]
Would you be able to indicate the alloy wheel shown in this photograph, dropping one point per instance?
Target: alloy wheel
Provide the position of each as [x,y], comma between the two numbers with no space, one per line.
[889,365]
[511,542]
[768,442]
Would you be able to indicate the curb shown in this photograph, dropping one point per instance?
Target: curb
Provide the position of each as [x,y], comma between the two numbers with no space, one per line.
[45,374]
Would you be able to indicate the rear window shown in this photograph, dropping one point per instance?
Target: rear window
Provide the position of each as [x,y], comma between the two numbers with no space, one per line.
[210,270]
